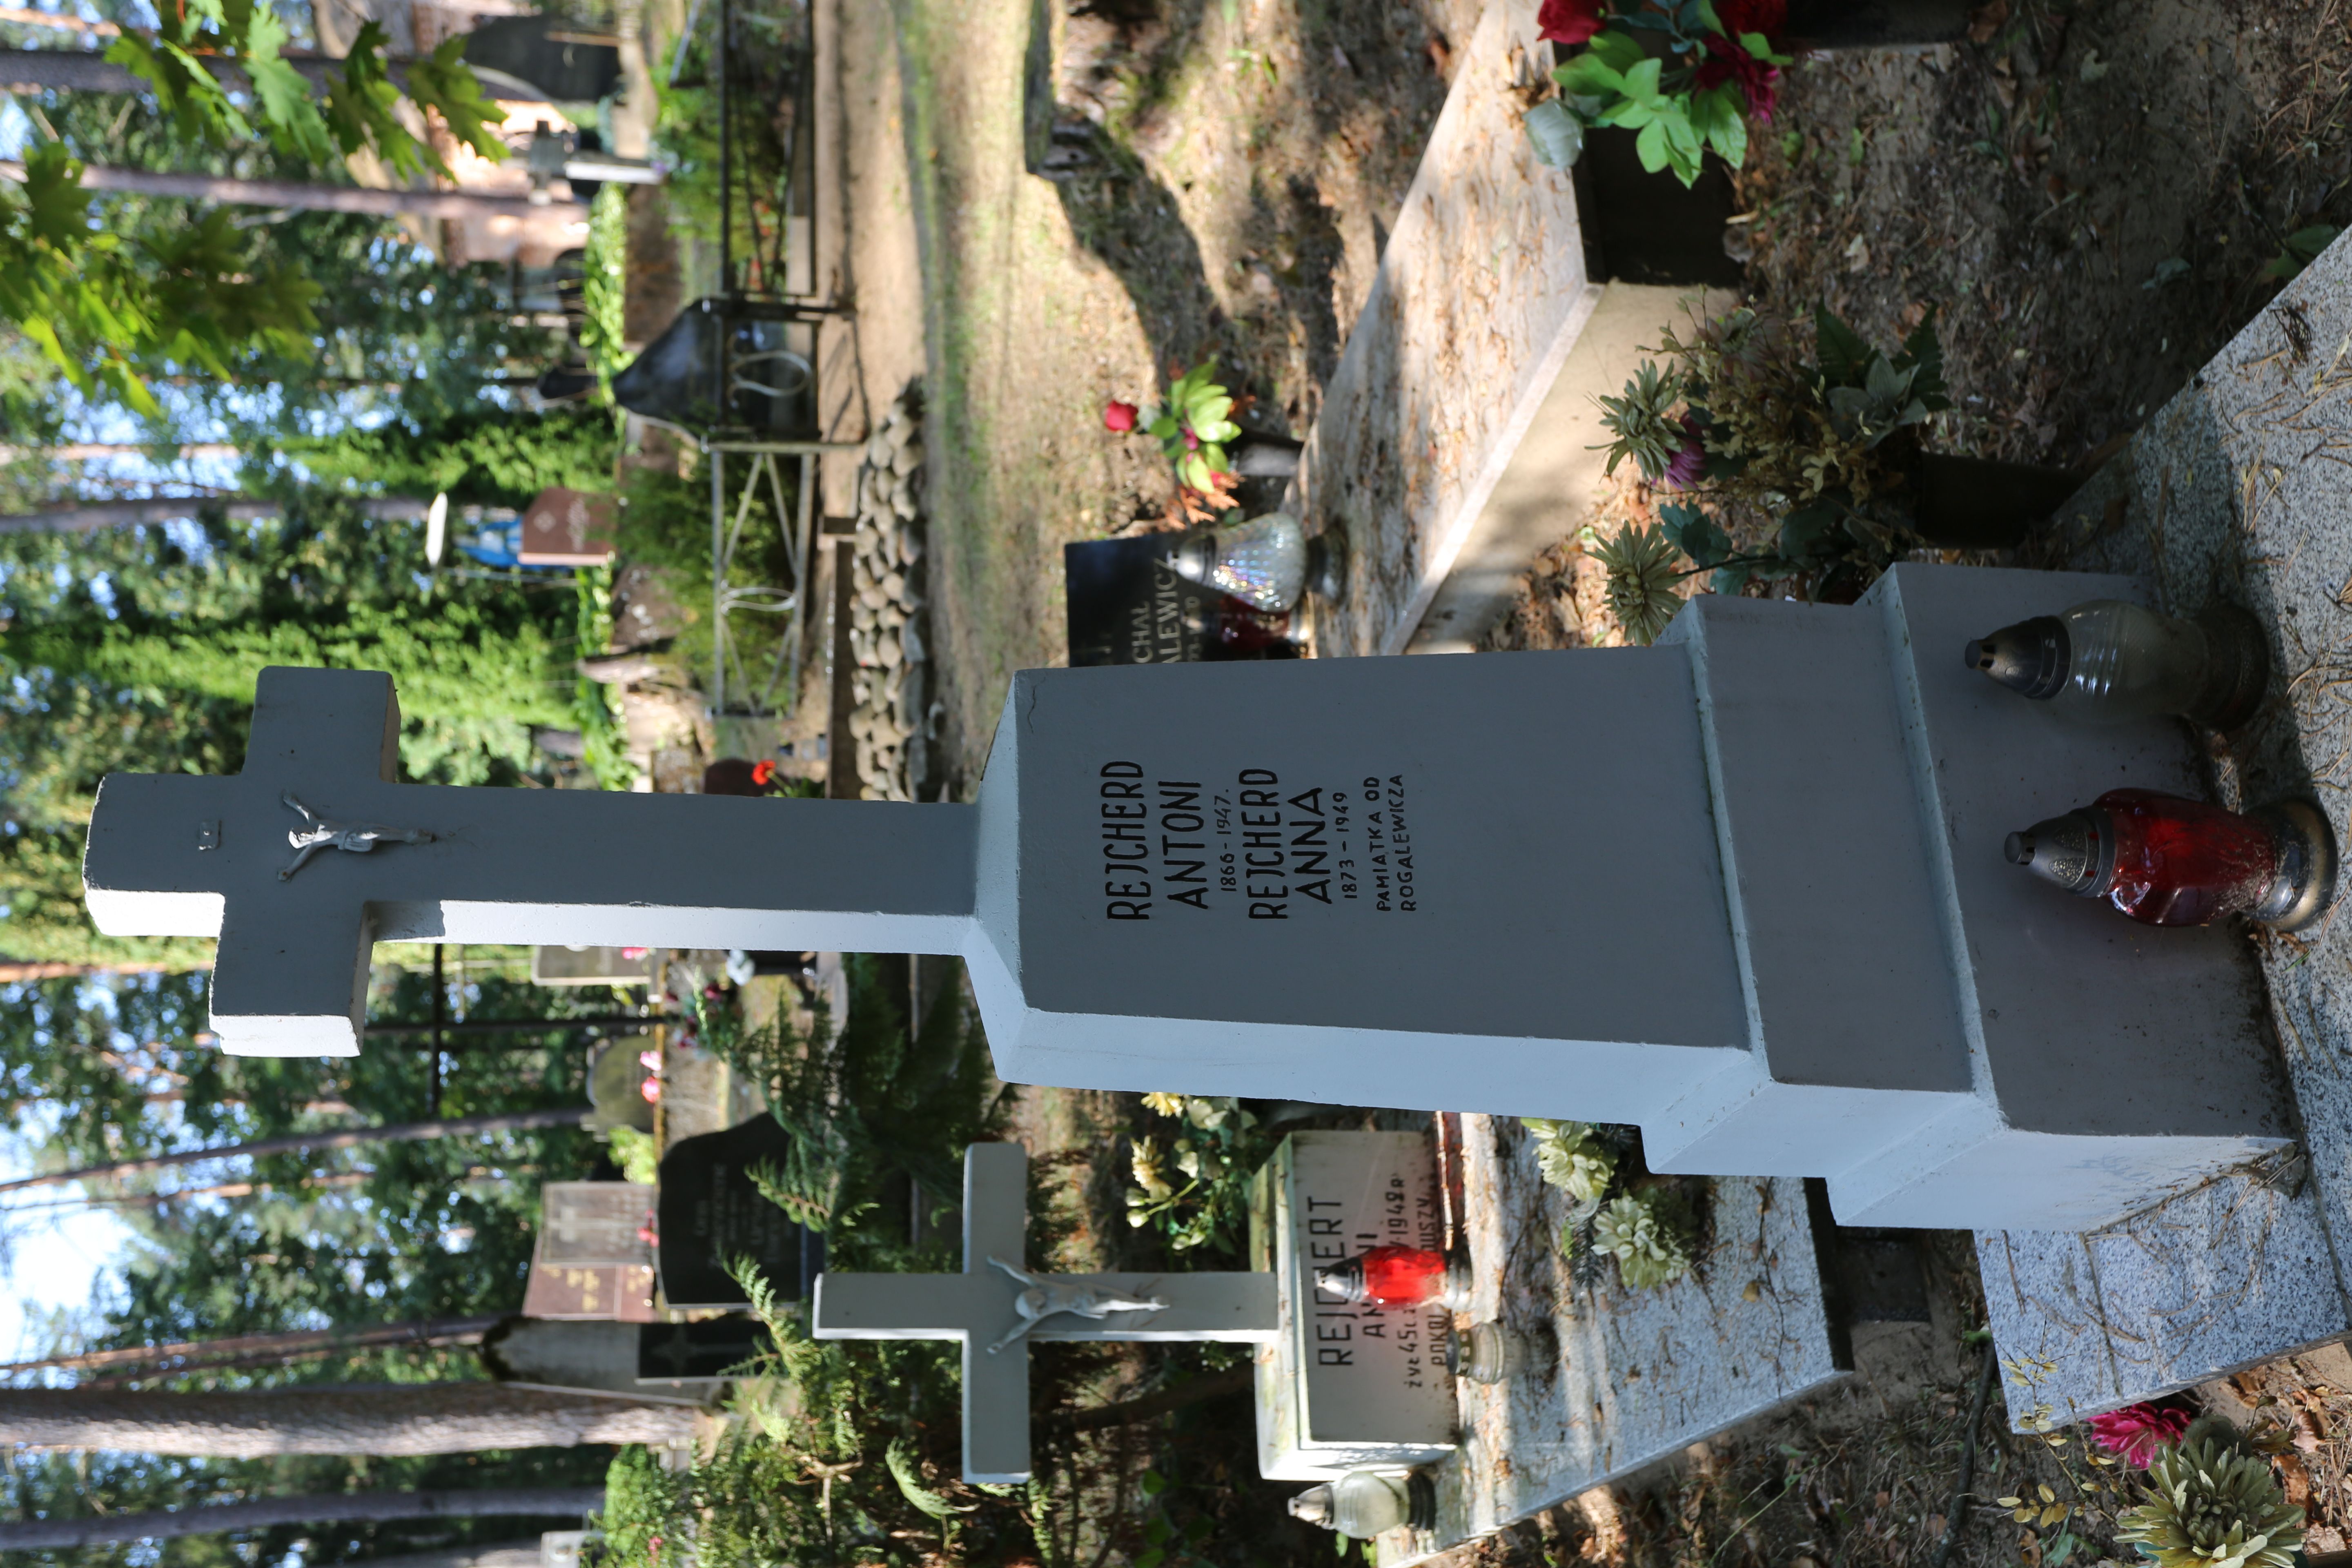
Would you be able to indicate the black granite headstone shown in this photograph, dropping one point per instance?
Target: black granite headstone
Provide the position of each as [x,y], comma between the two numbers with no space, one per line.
[1128,607]
[699,1351]
[709,1211]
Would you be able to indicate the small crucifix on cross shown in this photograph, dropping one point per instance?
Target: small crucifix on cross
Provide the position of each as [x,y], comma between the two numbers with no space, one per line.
[995,1309]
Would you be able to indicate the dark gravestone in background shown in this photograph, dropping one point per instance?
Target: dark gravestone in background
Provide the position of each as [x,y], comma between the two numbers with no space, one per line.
[1127,605]
[699,1351]
[566,70]
[1641,227]
[709,1211]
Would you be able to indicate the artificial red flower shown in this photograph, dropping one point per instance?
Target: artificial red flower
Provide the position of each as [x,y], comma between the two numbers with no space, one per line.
[1570,21]
[1120,416]
[2135,1432]
[1727,60]
[1765,16]
[764,773]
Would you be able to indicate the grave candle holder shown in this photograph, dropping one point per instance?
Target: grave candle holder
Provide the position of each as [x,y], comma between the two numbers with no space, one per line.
[2166,861]
[1262,563]
[1486,1352]
[2107,660]
[1364,1504]
[1400,1276]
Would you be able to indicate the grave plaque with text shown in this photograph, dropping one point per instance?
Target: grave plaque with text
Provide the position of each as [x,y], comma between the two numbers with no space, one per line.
[1347,1383]
[710,1212]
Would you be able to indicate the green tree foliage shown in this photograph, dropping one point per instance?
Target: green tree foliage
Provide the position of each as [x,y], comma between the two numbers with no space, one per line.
[111,310]
[481,454]
[136,650]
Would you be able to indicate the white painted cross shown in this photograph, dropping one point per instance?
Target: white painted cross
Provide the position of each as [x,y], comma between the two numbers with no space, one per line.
[982,1309]
[252,860]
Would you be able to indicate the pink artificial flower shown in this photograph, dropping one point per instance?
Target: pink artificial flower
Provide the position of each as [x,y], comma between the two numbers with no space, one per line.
[633,954]
[1120,416]
[2135,1432]
[651,1089]
[1758,80]
[1682,468]
[650,1060]
[648,1234]
[1191,442]
[1568,21]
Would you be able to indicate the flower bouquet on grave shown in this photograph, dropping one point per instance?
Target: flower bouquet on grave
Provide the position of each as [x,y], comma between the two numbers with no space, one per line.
[1194,428]
[1685,76]
[1788,469]
[1194,1187]
[1651,1225]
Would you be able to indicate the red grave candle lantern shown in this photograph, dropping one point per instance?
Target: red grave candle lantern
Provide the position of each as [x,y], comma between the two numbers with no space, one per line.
[1398,1277]
[2166,861]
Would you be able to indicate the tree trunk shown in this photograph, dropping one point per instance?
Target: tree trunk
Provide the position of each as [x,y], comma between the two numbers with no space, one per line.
[24,16]
[431,1331]
[97,451]
[392,1420]
[332,1508]
[294,1142]
[86,517]
[306,196]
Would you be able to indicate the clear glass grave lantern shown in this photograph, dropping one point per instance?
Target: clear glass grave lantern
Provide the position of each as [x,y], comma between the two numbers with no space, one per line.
[1486,1352]
[1364,1504]
[2166,861]
[2111,661]
[1262,563]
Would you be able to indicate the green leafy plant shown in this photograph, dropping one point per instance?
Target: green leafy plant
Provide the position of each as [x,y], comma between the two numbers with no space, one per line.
[1785,467]
[1685,76]
[2299,250]
[596,706]
[602,294]
[110,312]
[637,1154]
[1192,425]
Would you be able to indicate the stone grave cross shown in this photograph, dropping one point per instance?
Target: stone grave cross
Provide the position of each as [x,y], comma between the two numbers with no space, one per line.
[313,853]
[983,1308]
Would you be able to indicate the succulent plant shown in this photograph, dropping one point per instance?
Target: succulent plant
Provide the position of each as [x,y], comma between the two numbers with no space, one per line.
[2211,1504]
[1648,1253]
[1642,578]
[1572,1158]
[1644,423]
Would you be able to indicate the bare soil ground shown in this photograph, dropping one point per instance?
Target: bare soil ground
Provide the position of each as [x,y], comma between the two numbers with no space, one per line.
[1224,174]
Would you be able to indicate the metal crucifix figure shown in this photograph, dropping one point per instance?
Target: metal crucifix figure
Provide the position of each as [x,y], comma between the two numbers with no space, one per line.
[1048,1296]
[359,838]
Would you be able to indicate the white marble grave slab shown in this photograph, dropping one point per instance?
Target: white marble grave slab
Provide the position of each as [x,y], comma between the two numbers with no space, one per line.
[2239,489]
[1345,1385]
[1640,1374]
[1480,297]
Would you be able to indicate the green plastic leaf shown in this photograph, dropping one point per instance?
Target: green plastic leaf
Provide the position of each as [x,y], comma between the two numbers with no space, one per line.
[1729,135]
[1650,147]
[1841,353]
[1589,76]
[1708,19]
[1620,51]
[1558,135]
[1641,81]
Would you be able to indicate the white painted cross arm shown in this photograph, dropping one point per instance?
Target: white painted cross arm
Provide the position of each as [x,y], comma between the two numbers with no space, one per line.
[982,1309]
[313,853]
